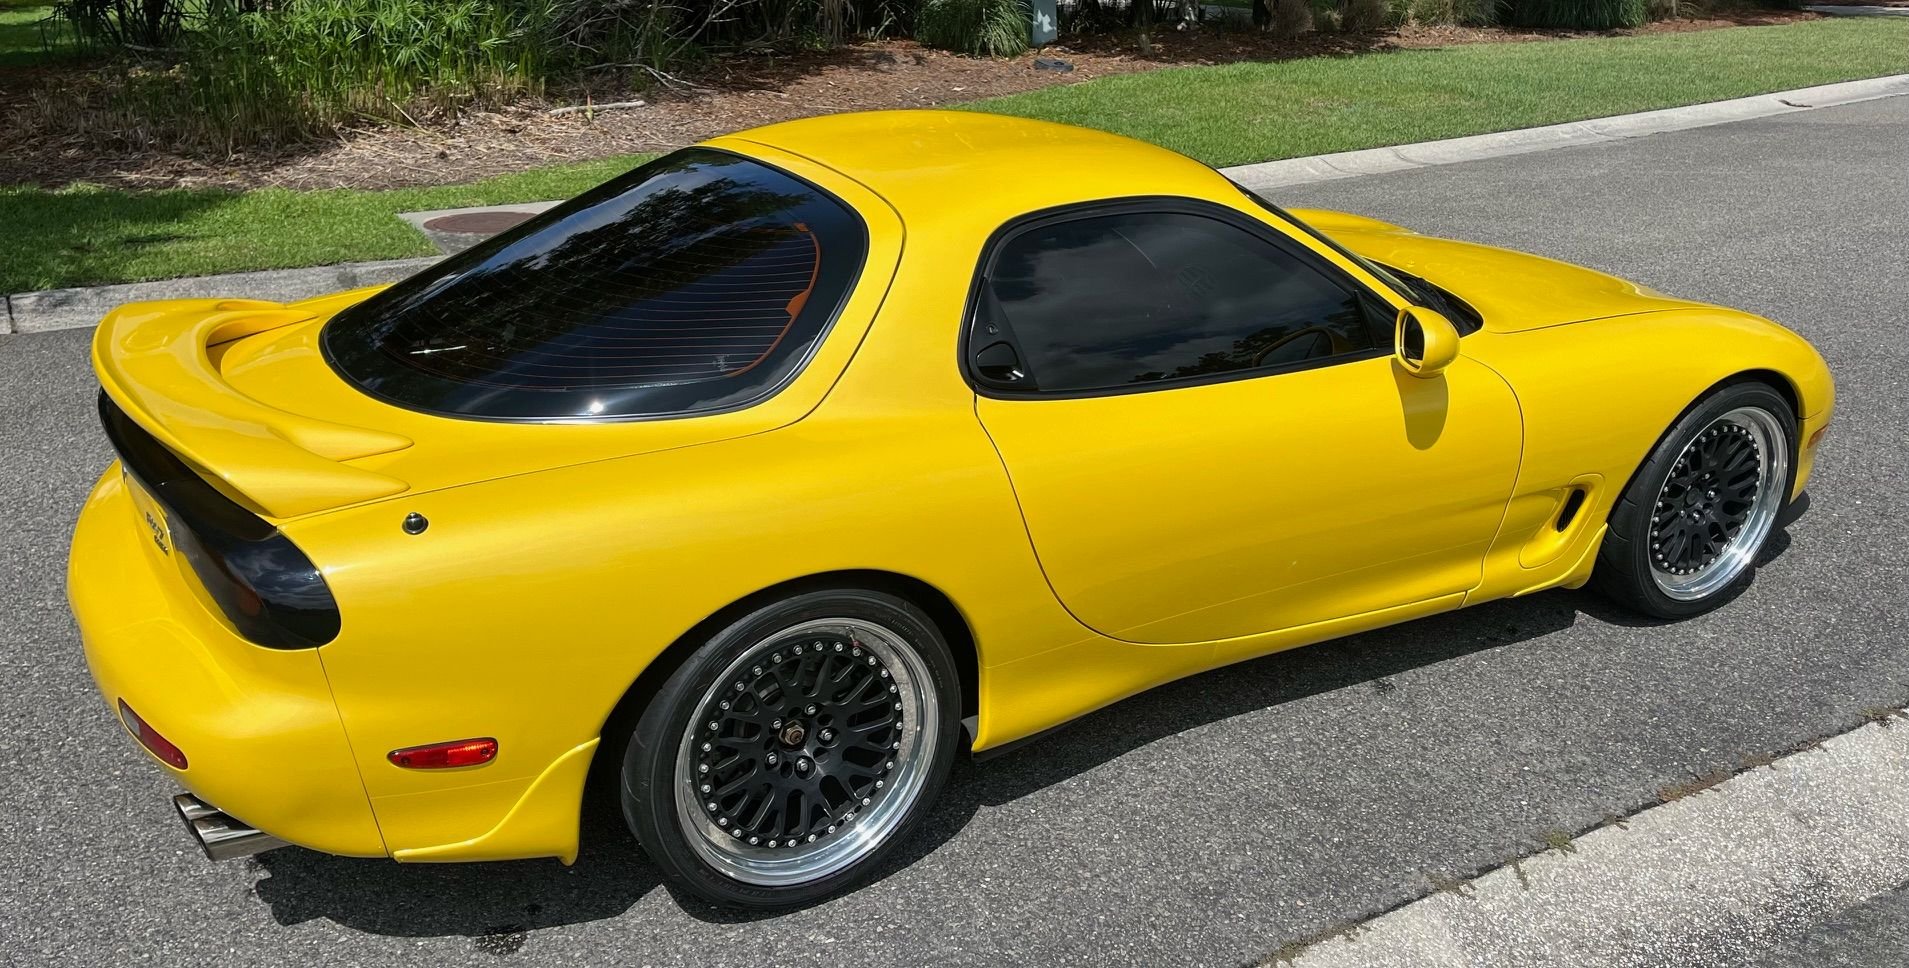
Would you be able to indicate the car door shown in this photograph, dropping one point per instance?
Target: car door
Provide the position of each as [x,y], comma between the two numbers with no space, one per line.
[1207,433]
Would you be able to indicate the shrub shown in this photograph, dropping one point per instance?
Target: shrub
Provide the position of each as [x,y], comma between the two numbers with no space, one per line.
[996,28]
[124,23]
[1361,16]
[1580,14]
[1467,13]
[1290,18]
[314,64]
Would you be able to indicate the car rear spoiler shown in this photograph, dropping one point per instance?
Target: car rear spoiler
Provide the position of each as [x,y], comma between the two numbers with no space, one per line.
[153,361]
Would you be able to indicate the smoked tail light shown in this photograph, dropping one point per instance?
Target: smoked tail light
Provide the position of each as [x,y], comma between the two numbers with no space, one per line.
[149,737]
[444,756]
[262,583]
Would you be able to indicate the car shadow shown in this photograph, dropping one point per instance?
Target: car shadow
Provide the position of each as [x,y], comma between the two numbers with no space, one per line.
[496,904]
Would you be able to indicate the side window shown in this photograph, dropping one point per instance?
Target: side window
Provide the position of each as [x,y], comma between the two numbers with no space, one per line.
[1115,300]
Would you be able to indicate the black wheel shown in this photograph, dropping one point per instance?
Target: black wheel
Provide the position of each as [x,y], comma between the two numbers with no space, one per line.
[794,748]
[1686,532]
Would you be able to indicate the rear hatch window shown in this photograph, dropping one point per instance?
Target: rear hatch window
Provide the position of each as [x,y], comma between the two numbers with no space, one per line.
[699,282]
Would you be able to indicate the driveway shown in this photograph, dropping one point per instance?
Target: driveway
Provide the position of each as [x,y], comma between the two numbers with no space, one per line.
[1210,822]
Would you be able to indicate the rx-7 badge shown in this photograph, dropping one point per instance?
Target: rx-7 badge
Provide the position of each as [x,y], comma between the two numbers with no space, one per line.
[158,533]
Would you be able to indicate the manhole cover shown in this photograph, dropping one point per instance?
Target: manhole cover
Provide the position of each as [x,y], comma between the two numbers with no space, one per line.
[477,223]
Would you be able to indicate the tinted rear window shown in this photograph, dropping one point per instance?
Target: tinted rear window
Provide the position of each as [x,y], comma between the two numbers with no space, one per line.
[700,281]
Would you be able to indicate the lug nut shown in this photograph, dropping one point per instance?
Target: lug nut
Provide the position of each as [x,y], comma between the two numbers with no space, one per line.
[802,766]
[811,709]
[826,735]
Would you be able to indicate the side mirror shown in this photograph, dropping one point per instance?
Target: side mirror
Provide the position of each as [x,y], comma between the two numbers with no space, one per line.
[1425,342]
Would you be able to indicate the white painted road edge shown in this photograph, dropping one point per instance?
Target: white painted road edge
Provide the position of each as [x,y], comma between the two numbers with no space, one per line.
[1711,878]
[31,312]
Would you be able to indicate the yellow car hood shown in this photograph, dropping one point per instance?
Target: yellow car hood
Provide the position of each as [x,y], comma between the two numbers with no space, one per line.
[1513,291]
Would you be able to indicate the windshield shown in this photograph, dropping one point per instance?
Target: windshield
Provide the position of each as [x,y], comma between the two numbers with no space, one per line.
[700,281]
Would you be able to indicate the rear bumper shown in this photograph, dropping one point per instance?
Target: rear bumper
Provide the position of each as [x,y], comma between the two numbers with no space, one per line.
[260,732]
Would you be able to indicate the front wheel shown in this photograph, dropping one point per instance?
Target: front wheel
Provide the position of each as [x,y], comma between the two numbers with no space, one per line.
[794,748]
[1687,530]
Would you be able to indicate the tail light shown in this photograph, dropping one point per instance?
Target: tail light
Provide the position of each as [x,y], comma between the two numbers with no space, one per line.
[149,737]
[263,584]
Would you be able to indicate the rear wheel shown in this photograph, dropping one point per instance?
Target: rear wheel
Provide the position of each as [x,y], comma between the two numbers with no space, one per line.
[794,748]
[1687,530]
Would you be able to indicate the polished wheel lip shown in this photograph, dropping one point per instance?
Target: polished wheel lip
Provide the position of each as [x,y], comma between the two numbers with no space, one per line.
[872,826]
[1736,557]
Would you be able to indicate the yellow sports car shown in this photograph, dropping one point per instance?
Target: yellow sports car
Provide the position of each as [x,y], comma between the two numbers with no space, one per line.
[769,475]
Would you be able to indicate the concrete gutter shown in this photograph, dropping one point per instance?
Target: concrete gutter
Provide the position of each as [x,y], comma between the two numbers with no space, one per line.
[32,312]
[1713,877]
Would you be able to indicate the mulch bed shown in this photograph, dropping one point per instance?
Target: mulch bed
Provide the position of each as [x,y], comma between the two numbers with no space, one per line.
[733,93]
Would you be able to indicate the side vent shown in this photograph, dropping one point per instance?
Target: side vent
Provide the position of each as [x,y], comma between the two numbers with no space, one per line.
[1572,502]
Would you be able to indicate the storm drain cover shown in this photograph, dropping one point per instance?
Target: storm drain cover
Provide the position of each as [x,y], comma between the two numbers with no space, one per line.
[477,223]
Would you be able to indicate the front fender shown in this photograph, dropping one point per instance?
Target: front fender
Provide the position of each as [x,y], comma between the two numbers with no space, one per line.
[1596,397]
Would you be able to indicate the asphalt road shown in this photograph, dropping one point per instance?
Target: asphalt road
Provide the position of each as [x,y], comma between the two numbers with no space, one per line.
[1872,935]
[1209,822]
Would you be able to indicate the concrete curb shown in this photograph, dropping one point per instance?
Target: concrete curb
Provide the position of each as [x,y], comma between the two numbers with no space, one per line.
[32,312]
[1711,878]
[1845,11]
[50,309]
[1377,161]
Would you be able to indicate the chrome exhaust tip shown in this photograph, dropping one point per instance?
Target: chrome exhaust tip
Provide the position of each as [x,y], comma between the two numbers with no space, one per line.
[221,836]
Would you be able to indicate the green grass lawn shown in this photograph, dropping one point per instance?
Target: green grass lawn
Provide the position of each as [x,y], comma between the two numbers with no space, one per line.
[86,235]
[1221,115]
[23,40]
[1240,113]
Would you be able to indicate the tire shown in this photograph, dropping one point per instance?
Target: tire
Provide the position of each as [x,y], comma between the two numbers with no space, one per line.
[845,703]
[1685,534]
